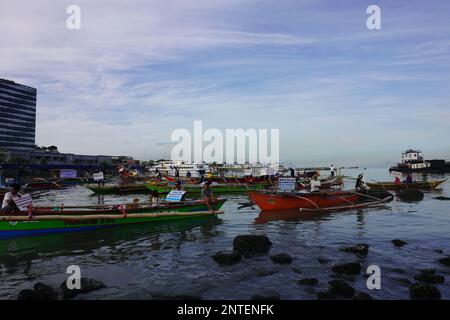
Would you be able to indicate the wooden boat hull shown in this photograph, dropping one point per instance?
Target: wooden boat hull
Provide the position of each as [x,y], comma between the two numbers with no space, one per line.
[219,189]
[280,201]
[426,185]
[46,221]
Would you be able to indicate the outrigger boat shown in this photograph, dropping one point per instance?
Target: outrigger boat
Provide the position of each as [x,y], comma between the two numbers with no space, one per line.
[216,188]
[45,220]
[119,189]
[428,185]
[316,201]
[324,183]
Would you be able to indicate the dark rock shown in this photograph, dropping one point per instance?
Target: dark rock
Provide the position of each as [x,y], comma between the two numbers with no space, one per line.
[341,288]
[360,248]
[423,291]
[325,295]
[281,258]
[87,285]
[308,281]
[445,261]
[429,277]
[438,250]
[362,296]
[178,297]
[403,281]
[399,243]
[269,295]
[226,257]
[351,268]
[297,270]
[398,270]
[26,294]
[251,244]
[323,260]
[410,195]
[442,198]
[41,292]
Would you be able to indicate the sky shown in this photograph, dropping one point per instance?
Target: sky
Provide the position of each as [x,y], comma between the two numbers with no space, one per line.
[137,70]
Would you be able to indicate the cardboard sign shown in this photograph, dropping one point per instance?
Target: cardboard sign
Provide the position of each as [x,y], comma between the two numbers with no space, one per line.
[286,184]
[175,195]
[23,202]
[98,176]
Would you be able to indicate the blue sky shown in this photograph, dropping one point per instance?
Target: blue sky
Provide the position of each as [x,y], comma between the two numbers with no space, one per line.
[338,92]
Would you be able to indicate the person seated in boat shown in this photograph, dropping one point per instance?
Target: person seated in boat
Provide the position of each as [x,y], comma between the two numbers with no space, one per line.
[154,198]
[202,178]
[208,196]
[133,205]
[8,204]
[315,184]
[397,180]
[180,188]
[408,179]
[360,185]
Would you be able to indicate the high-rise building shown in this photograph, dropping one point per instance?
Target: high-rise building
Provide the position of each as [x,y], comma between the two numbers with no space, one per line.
[17,116]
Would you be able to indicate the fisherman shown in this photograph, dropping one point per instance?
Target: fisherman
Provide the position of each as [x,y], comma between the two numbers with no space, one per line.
[101,182]
[154,198]
[292,170]
[315,184]
[188,174]
[202,178]
[8,204]
[177,173]
[408,179]
[208,196]
[397,180]
[360,185]
[333,171]
[178,187]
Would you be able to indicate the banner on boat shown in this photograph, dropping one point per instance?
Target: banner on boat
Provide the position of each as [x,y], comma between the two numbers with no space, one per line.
[286,184]
[68,174]
[23,201]
[175,195]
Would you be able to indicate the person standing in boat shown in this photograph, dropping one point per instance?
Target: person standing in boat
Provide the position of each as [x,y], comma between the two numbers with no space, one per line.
[188,174]
[333,171]
[315,184]
[154,198]
[360,185]
[208,196]
[408,179]
[8,204]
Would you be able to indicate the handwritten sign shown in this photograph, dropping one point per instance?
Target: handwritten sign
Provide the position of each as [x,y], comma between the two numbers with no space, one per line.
[286,184]
[98,176]
[175,195]
[23,201]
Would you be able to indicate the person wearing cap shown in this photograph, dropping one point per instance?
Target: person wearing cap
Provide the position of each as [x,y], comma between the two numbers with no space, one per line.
[208,196]
[360,185]
[8,204]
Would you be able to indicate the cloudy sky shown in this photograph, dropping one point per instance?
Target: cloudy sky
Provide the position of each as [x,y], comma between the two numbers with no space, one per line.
[137,70]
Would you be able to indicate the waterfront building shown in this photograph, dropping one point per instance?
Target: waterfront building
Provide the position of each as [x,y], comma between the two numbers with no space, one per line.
[17,116]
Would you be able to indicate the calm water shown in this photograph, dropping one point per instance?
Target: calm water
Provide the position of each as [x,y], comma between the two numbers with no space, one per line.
[158,260]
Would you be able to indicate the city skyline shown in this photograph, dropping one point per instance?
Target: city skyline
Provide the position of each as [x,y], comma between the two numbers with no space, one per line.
[338,92]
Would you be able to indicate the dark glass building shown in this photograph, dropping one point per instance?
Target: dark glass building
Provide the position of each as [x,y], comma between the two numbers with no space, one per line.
[17,116]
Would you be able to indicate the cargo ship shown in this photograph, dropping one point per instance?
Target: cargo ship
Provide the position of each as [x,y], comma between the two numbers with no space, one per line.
[413,161]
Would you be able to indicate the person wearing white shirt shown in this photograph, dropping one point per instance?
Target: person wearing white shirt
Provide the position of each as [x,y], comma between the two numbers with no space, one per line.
[8,204]
[315,184]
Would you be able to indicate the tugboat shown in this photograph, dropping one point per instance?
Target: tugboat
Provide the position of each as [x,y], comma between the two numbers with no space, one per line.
[413,161]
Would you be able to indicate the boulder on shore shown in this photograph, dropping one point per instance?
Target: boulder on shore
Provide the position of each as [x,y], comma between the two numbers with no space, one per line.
[227,257]
[423,291]
[281,258]
[40,291]
[399,243]
[429,276]
[445,261]
[351,268]
[251,244]
[86,285]
[308,281]
[360,248]
[341,288]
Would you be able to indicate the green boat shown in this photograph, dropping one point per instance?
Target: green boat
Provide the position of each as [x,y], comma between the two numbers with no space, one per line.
[216,189]
[69,219]
[117,189]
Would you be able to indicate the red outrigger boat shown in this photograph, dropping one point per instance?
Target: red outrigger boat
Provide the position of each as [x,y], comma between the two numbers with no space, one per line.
[316,201]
